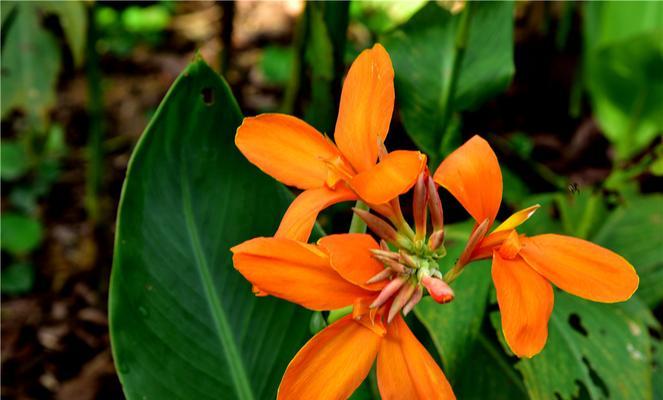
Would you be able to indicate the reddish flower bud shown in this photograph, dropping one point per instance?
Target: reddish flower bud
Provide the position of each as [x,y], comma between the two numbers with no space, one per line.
[414,300]
[400,300]
[419,209]
[379,226]
[435,206]
[388,291]
[438,289]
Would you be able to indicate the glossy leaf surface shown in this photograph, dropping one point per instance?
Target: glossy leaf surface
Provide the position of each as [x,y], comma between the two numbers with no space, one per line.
[422,51]
[184,323]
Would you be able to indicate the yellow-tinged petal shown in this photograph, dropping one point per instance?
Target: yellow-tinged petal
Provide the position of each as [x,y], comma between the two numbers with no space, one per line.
[405,369]
[351,257]
[526,301]
[296,272]
[286,148]
[394,175]
[581,268]
[332,364]
[299,219]
[517,218]
[367,103]
[472,174]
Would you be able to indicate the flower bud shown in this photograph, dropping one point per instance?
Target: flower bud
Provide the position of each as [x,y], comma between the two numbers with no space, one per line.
[438,289]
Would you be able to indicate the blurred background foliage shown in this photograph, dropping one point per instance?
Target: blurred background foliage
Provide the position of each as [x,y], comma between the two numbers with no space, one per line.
[569,94]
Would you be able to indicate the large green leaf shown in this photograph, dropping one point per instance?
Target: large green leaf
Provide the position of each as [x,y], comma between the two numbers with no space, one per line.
[423,52]
[623,59]
[454,326]
[595,350]
[487,373]
[636,232]
[30,64]
[184,324]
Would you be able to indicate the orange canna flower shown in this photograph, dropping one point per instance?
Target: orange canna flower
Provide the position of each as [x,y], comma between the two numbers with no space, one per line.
[522,267]
[338,272]
[296,154]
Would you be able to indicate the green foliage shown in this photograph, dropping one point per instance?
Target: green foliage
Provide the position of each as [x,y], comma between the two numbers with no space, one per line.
[184,324]
[276,64]
[73,19]
[487,370]
[20,234]
[120,31]
[13,160]
[634,231]
[582,212]
[17,279]
[599,350]
[448,63]
[623,60]
[31,64]
[319,57]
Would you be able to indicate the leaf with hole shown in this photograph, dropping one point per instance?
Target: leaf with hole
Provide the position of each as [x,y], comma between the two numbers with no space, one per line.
[594,351]
[184,323]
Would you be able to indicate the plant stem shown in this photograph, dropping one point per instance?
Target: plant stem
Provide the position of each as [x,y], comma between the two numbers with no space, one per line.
[227,17]
[357,225]
[95,151]
[449,84]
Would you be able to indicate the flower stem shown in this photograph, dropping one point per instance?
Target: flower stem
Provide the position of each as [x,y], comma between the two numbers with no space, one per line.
[357,225]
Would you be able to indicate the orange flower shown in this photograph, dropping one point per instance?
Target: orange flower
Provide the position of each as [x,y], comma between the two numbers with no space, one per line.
[523,267]
[296,154]
[334,274]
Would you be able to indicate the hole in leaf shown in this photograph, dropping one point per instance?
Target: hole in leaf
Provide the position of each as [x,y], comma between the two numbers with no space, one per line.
[208,95]
[574,321]
[596,379]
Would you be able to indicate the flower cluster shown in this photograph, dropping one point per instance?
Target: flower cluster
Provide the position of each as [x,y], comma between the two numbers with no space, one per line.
[383,280]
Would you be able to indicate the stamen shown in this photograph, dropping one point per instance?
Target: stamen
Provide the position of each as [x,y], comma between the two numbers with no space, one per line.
[399,301]
[419,209]
[384,246]
[388,291]
[414,300]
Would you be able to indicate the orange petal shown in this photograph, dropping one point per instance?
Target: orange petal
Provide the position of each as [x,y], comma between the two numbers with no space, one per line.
[294,271]
[526,301]
[394,175]
[489,244]
[286,148]
[406,370]
[298,221]
[367,103]
[332,364]
[580,267]
[351,257]
[472,175]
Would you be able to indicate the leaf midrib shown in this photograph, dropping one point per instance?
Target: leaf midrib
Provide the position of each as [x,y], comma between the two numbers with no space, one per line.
[228,344]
